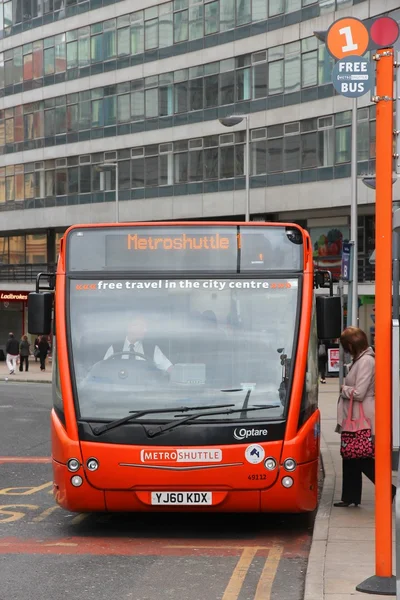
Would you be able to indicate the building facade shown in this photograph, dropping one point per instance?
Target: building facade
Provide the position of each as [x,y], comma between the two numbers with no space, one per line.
[143,85]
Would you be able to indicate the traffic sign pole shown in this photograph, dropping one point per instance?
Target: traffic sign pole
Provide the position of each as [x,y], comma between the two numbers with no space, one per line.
[354,217]
[383,581]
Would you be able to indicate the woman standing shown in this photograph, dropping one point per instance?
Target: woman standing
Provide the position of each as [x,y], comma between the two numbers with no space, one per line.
[359,385]
[43,350]
[24,351]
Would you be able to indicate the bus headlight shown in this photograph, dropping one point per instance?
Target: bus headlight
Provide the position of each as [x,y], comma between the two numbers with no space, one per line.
[287,482]
[92,464]
[290,464]
[73,465]
[270,463]
[76,480]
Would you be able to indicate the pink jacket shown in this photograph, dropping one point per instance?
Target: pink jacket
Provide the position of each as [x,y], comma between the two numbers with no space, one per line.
[361,380]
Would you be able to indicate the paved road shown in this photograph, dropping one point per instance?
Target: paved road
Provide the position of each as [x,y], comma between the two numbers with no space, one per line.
[46,552]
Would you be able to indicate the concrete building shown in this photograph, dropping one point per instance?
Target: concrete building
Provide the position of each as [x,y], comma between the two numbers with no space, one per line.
[143,84]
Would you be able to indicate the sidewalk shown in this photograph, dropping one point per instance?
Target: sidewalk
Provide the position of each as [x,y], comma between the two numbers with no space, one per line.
[343,548]
[34,375]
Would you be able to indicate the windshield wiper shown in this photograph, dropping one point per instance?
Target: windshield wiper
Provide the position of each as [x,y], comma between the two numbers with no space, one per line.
[133,415]
[173,424]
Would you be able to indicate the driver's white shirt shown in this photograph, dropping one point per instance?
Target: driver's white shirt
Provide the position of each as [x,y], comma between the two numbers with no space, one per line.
[160,360]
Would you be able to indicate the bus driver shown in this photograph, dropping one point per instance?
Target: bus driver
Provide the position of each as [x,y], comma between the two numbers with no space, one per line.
[136,341]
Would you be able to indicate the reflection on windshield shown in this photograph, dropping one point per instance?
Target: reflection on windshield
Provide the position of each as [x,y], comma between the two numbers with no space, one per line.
[140,344]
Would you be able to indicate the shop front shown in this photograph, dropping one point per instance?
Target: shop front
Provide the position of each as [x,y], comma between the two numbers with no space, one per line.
[13,315]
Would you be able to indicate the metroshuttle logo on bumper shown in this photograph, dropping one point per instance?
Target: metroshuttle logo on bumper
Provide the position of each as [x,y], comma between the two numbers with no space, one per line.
[183,455]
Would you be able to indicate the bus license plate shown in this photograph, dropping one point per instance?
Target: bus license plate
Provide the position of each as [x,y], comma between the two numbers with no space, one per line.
[181,498]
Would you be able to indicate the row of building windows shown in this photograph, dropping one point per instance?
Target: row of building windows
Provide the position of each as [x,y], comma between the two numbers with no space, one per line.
[31,248]
[90,50]
[280,70]
[317,143]
[176,21]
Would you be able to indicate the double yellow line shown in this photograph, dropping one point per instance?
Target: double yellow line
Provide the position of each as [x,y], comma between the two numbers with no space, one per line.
[264,587]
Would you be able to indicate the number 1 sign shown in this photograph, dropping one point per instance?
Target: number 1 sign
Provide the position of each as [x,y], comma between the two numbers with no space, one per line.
[347,37]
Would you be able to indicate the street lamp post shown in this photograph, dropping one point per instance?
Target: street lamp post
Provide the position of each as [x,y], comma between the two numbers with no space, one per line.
[107,166]
[230,122]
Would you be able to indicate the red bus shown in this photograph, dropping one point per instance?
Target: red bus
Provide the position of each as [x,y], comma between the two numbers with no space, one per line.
[185,367]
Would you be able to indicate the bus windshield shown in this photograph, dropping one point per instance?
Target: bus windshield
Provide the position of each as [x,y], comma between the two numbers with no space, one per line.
[152,343]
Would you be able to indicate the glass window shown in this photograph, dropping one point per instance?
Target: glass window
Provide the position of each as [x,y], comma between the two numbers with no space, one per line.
[326,147]
[61,181]
[309,150]
[72,55]
[85,116]
[137,166]
[196,22]
[274,155]
[372,139]
[110,110]
[28,126]
[292,67]
[260,75]
[196,94]
[50,183]
[151,34]
[73,180]
[61,120]
[151,103]
[291,153]
[137,105]
[181,26]
[137,37]
[151,171]
[309,69]
[275,77]
[166,100]
[243,88]
[343,145]
[211,91]
[85,179]
[276,7]
[60,53]
[110,44]
[97,113]
[166,30]
[124,109]
[96,48]
[363,140]
[123,41]
[49,123]
[227,14]
[181,97]
[73,117]
[28,187]
[325,65]
[259,11]
[243,12]
[17,249]
[227,162]
[181,167]
[166,168]
[227,87]
[196,165]
[211,24]
[292,5]
[259,157]
[48,57]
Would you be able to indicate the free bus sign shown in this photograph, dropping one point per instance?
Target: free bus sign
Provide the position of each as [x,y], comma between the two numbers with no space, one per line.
[347,40]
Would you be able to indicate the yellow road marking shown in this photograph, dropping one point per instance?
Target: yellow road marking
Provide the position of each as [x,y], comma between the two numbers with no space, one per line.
[79,518]
[234,586]
[45,514]
[268,574]
[27,491]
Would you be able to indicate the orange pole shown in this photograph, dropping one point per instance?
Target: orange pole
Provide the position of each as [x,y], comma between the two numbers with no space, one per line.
[383,313]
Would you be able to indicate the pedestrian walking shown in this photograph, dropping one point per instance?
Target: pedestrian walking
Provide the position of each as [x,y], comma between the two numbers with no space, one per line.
[43,351]
[36,348]
[356,417]
[12,352]
[24,352]
[322,360]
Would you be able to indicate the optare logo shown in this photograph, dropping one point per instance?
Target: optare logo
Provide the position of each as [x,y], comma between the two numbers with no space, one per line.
[244,434]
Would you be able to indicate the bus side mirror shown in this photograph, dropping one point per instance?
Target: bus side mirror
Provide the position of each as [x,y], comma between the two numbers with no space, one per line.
[329,318]
[40,305]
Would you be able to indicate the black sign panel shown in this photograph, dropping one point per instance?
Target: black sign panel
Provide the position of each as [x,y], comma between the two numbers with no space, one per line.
[184,249]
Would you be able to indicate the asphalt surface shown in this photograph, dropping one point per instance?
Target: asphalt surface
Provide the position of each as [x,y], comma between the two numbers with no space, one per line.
[47,553]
